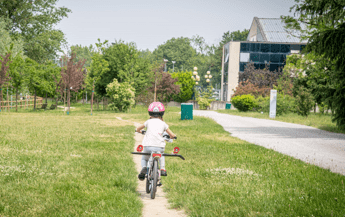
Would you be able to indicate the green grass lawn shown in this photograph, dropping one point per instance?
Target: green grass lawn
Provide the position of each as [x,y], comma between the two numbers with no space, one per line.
[58,165]
[78,165]
[322,122]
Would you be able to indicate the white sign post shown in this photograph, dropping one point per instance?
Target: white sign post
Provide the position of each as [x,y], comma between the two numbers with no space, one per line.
[273,103]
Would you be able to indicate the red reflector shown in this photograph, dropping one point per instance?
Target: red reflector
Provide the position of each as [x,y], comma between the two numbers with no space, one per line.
[176,150]
[156,155]
[140,148]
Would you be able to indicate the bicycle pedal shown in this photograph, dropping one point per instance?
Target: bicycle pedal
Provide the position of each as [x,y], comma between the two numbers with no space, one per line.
[159,184]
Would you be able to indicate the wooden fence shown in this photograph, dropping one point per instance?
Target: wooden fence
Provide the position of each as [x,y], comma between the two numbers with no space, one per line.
[26,102]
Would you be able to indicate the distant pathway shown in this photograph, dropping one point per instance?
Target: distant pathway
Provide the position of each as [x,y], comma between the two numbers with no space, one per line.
[308,144]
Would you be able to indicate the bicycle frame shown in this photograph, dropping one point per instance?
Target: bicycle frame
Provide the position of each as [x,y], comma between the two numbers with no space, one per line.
[153,175]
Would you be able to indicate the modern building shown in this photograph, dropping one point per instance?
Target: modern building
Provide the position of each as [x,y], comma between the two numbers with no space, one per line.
[267,43]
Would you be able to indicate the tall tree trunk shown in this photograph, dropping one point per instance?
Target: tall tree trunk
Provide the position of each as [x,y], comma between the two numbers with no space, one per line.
[8,101]
[64,101]
[93,89]
[16,99]
[68,100]
[0,97]
[35,100]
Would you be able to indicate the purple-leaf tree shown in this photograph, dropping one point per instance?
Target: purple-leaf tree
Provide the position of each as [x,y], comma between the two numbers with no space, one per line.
[4,76]
[72,75]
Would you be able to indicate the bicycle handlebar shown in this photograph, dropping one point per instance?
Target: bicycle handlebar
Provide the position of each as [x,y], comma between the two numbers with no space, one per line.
[164,154]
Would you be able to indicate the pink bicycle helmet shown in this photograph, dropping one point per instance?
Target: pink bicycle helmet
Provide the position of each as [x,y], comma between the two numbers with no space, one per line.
[156,109]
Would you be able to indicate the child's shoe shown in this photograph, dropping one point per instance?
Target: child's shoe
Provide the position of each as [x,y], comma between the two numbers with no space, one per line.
[142,174]
[163,172]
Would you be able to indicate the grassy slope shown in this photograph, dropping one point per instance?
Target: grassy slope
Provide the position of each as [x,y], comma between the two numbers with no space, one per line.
[55,165]
[322,122]
[274,185]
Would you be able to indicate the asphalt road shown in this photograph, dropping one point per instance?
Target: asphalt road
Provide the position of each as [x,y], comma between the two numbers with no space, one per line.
[318,147]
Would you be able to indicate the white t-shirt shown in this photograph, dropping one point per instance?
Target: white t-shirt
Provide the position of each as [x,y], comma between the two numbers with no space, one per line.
[154,133]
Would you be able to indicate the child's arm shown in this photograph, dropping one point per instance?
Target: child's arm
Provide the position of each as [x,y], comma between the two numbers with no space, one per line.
[171,134]
[140,128]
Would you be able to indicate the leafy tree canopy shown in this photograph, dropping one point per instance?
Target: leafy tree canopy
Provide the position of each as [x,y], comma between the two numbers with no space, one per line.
[33,20]
[186,84]
[126,65]
[325,21]
[179,50]
[7,44]
[83,53]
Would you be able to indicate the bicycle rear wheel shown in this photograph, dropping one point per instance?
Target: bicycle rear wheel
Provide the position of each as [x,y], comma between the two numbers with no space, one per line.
[154,179]
[148,178]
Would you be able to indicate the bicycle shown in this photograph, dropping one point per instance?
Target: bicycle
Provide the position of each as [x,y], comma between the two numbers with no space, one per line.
[153,175]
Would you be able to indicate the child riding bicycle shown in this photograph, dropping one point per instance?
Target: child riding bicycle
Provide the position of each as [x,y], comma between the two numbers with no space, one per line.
[153,140]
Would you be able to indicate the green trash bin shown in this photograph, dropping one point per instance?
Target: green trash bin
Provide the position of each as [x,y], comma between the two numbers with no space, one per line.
[228,106]
[186,111]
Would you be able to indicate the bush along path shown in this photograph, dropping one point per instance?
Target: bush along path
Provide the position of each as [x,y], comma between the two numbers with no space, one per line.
[308,144]
[159,206]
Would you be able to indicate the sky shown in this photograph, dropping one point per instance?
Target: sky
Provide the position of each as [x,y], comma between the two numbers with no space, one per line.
[150,23]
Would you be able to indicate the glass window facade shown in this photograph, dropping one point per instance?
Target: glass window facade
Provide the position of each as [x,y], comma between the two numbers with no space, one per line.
[226,63]
[263,53]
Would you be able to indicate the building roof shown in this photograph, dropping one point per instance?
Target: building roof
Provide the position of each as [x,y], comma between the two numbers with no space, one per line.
[272,30]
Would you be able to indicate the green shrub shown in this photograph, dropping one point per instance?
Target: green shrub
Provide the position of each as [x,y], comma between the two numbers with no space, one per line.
[244,102]
[285,104]
[121,95]
[263,104]
[304,101]
[205,98]
[203,103]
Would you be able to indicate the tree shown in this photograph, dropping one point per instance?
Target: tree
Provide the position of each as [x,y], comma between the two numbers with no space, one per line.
[97,69]
[121,94]
[33,20]
[7,44]
[4,76]
[72,76]
[246,88]
[84,53]
[165,87]
[259,77]
[186,84]
[179,50]
[125,65]
[199,44]
[34,77]
[325,23]
[16,72]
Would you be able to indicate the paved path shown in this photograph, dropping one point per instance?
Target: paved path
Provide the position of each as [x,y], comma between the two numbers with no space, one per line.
[309,144]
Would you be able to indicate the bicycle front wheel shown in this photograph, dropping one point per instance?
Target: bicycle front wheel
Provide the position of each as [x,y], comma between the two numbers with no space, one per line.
[154,179]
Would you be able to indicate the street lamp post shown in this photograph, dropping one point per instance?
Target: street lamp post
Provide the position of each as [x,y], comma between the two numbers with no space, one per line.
[165,64]
[173,62]
[196,78]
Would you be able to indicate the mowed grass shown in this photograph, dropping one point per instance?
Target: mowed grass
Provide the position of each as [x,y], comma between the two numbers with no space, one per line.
[79,165]
[57,165]
[225,176]
[322,122]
